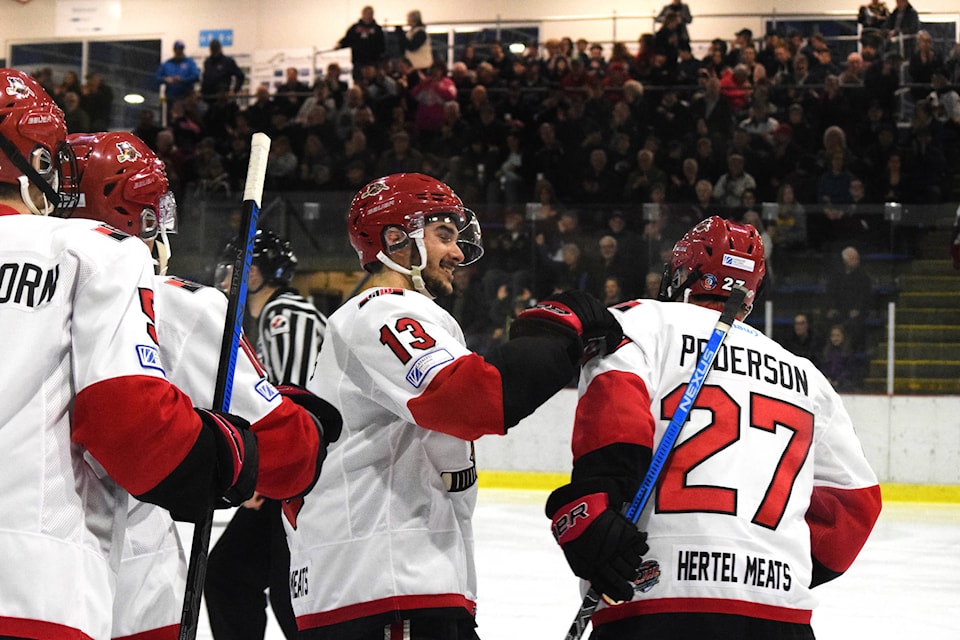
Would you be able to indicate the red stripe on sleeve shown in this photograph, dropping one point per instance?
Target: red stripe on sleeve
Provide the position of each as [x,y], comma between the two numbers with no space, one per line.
[840,521]
[615,408]
[464,399]
[138,427]
[288,442]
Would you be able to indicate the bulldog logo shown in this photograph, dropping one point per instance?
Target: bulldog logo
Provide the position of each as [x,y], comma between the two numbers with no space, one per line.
[126,152]
[373,189]
[17,87]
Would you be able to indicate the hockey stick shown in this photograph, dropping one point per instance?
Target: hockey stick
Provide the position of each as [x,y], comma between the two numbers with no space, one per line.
[592,600]
[223,392]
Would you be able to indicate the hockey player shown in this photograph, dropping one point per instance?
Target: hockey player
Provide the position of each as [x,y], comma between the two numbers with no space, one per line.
[124,184]
[251,555]
[767,493]
[383,546]
[94,413]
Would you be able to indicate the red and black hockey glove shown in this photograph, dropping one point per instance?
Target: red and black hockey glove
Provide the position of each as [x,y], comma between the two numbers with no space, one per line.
[601,545]
[219,471]
[575,315]
[237,456]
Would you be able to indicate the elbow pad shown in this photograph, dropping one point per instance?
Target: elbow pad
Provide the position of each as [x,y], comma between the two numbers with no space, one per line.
[219,471]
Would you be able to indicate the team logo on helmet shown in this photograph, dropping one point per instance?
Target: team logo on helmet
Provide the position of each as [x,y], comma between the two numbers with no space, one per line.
[373,189]
[709,282]
[17,87]
[126,152]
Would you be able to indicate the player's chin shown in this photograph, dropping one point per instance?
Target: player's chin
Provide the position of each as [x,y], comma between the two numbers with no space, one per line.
[440,286]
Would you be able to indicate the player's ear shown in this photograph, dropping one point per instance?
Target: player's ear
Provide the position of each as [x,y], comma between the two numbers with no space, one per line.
[396,243]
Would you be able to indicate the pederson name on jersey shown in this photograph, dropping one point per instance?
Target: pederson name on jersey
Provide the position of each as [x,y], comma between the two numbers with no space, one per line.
[747,362]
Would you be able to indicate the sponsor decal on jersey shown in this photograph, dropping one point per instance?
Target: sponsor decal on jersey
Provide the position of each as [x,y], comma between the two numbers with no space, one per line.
[299,585]
[267,390]
[648,577]
[279,324]
[427,363]
[149,357]
[728,567]
[738,262]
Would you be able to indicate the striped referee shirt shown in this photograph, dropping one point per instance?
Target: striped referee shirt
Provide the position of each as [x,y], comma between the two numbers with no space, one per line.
[290,334]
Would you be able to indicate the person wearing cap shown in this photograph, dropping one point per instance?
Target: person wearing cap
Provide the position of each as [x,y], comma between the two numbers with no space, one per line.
[178,74]
[743,38]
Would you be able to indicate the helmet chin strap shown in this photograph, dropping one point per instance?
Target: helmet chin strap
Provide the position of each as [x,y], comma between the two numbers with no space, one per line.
[415,271]
[28,199]
[163,253]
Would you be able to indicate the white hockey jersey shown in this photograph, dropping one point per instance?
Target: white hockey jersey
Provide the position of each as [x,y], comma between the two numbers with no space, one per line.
[153,569]
[80,367]
[766,472]
[388,526]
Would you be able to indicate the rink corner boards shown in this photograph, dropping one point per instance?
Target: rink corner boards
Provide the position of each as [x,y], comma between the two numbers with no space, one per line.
[542,481]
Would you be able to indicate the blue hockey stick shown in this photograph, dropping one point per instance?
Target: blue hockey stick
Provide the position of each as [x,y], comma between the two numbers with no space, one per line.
[229,348]
[592,600]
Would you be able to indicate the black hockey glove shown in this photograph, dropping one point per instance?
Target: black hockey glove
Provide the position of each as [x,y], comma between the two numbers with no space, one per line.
[237,456]
[219,471]
[575,315]
[601,545]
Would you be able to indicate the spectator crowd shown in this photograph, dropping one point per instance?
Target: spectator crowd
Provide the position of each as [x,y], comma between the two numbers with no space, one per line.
[588,161]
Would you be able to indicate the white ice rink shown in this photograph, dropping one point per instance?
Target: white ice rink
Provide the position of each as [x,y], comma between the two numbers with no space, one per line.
[904,585]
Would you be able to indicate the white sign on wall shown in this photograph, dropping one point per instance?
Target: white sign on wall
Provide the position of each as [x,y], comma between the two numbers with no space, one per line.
[269,67]
[87,17]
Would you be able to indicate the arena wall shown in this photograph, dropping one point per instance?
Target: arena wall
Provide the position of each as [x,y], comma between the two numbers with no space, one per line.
[267,24]
[912,442]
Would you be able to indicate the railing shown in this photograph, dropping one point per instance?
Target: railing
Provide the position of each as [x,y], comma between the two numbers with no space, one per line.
[910,331]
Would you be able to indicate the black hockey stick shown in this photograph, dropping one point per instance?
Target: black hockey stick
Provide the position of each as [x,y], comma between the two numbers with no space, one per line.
[229,347]
[592,600]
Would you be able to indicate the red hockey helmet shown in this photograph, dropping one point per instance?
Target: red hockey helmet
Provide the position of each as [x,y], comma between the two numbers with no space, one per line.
[123,183]
[408,201]
[33,146]
[714,256]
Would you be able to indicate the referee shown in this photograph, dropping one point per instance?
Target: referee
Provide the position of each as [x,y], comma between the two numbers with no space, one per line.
[251,556]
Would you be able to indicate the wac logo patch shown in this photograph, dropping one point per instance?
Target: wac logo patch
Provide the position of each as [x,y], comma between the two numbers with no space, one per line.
[648,577]
[126,152]
[373,189]
[17,87]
